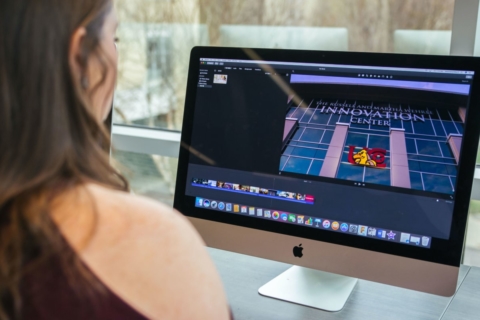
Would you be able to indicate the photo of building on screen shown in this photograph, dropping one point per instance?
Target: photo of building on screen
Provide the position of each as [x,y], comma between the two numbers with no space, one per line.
[400,137]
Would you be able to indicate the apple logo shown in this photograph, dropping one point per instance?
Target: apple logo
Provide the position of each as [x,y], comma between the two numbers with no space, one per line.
[297,251]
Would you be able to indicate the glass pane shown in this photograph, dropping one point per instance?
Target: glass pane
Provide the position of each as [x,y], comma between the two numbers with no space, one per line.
[433,168]
[297,165]
[307,115]
[320,154]
[349,172]
[357,140]
[327,137]
[149,175]
[320,118]
[439,129]
[315,168]
[289,150]
[283,160]
[382,142]
[312,135]
[472,248]
[416,180]
[430,148]
[423,128]
[156,37]
[472,245]
[298,134]
[304,152]
[377,176]
[436,183]
[478,157]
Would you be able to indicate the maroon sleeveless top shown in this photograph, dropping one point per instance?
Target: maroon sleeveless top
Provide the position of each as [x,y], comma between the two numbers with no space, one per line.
[48,295]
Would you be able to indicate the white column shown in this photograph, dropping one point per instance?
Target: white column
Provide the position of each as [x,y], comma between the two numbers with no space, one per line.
[462,112]
[455,143]
[335,151]
[399,172]
[291,125]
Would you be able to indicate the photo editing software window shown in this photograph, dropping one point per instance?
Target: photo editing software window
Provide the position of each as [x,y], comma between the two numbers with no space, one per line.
[365,151]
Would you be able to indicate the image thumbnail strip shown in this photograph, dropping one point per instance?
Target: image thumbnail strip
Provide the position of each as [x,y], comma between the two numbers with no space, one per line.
[254,191]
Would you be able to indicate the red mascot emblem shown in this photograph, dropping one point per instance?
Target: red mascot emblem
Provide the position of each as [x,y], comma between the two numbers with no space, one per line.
[374,157]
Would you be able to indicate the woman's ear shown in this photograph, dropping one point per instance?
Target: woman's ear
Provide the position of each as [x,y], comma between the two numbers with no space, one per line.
[76,60]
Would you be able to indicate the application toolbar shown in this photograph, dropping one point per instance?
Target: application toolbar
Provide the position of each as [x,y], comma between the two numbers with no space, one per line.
[316,222]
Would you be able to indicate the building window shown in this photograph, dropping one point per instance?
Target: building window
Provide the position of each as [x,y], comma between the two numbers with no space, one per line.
[432,165]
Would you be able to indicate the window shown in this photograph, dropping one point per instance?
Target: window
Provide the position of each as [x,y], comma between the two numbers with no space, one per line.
[297,165]
[377,176]
[312,135]
[153,65]
[156,38]
[349,172]
[149,175]
[430,148]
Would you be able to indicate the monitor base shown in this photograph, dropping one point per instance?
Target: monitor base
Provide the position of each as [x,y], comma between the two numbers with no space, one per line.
[312,288]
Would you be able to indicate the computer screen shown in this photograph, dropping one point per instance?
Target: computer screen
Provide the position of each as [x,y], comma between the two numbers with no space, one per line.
[359,150]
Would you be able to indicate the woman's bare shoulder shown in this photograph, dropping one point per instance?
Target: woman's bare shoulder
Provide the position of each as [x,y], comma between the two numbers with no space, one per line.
[104,213]
[149,255]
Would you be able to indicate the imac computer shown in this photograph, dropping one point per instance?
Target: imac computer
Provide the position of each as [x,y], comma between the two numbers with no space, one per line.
[346,165]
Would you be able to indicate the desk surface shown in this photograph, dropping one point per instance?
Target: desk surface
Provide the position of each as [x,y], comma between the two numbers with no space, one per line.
[243,275]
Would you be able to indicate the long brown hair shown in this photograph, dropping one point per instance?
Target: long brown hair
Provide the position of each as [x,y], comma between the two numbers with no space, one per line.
[50,141]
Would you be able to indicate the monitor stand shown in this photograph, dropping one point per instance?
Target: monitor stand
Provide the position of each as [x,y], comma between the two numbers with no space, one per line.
[312,288]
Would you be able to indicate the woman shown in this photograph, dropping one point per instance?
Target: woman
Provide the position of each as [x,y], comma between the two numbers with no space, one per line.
[74,244]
